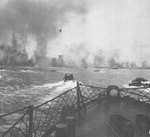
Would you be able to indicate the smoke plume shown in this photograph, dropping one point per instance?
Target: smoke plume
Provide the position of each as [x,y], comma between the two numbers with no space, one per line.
[37,21]
[85,33]
[119,28]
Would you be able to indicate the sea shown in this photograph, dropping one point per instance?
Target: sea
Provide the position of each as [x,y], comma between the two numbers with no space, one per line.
[22,86]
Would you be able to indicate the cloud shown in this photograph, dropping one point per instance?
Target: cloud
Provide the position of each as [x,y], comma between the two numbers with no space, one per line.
[39,20]
[111,25]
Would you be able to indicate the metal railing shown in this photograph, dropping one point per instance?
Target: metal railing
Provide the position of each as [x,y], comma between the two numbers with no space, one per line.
[39,120]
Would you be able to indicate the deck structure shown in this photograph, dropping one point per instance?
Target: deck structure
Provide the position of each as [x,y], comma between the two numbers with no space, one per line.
[96,121]
[90,105]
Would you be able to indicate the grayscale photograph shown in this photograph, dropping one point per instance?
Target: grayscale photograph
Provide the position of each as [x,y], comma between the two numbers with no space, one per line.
[74,68]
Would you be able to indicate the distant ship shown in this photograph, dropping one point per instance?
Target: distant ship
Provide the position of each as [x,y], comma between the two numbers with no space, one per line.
[68,77]
[140,82]
[115,67]
[97,70]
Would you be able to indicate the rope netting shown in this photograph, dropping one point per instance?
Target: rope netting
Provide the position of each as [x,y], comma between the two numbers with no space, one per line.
[37,121]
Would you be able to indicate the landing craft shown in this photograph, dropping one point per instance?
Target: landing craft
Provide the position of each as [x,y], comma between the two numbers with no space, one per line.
[97,70]
[115,67]
[52,70]
[140,82]
[68,77]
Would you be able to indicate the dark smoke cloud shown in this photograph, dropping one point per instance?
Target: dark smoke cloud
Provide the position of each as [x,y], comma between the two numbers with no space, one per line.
[78,29]
[41,20]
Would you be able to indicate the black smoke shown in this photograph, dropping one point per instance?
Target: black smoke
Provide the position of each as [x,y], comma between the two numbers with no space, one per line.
[41,20]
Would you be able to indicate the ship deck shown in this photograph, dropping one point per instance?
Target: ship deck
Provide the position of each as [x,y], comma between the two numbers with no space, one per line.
[95,122]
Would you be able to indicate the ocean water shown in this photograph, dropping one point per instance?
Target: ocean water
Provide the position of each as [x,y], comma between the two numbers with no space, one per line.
[23,86]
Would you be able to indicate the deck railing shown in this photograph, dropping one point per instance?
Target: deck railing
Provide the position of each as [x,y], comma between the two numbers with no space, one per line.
[37,121]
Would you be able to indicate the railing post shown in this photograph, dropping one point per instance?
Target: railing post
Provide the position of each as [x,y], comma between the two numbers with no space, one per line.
[30,113]
[78,99]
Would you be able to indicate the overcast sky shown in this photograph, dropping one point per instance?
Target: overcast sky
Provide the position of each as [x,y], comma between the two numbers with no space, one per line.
[119,28]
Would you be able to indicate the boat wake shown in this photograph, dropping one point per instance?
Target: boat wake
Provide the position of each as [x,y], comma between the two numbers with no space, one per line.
[45,92]
[28,71]
[57,89]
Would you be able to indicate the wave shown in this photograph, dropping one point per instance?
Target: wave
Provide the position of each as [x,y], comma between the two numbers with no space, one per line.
[45,92]
[132,87]
[60,87]
[28,71]
[3,70]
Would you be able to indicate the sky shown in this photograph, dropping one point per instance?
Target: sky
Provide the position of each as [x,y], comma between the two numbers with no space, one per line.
[81,29]
[119,27]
